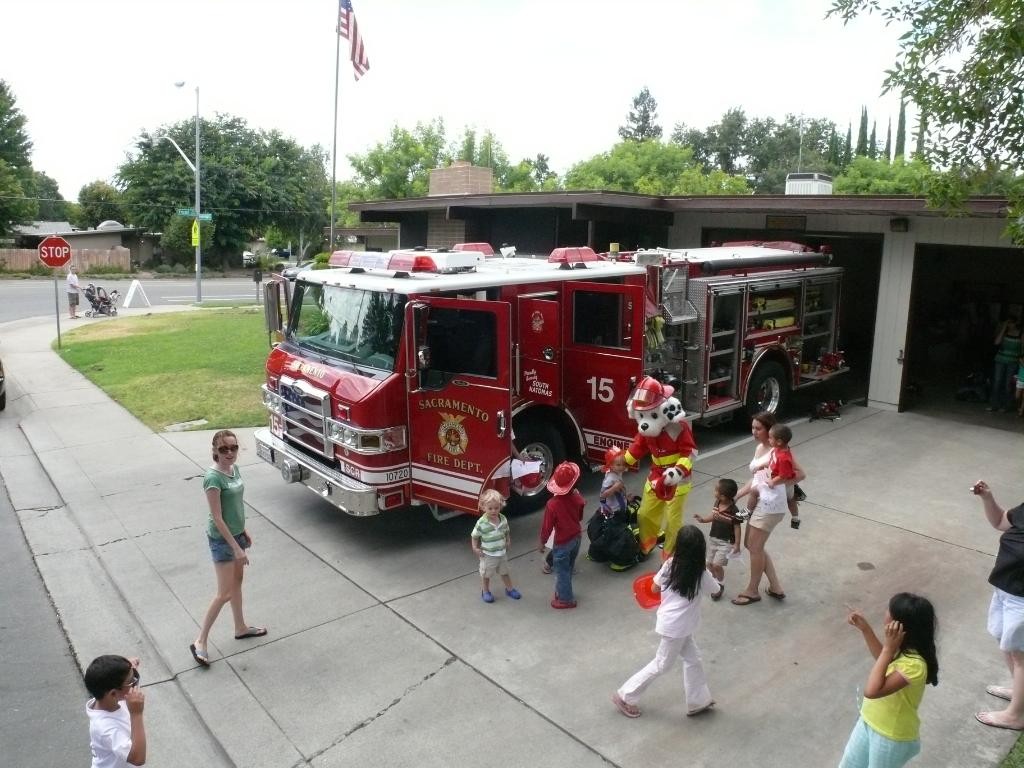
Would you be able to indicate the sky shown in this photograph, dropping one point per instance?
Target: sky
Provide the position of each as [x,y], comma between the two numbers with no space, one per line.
[545,76]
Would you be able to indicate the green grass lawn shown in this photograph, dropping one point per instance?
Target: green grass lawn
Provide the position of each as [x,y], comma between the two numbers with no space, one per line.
[177,367]
[1016,757]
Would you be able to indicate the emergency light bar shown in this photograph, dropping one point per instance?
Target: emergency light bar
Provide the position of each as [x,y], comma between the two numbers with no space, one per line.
[407,261]
[570,256]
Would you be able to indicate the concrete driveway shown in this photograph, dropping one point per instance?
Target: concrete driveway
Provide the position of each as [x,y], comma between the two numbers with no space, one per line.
[381,653]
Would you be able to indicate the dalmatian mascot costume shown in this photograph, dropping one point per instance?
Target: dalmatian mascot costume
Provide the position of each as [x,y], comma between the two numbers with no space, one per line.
[665,435]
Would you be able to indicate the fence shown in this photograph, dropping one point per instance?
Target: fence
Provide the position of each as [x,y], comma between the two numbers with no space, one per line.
[21,259]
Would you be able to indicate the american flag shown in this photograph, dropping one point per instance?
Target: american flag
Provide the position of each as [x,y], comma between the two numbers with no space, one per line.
[348,28]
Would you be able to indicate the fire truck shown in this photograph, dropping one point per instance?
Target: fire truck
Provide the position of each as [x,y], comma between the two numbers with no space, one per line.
[402,378]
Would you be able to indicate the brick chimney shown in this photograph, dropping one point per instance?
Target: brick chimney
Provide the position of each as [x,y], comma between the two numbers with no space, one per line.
[461,178]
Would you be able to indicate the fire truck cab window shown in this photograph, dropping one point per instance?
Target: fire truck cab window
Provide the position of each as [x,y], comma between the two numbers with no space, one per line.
[597,319]
[461,341]
[361,327]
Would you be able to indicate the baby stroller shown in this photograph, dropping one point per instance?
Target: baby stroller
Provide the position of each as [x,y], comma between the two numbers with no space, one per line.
[101,302]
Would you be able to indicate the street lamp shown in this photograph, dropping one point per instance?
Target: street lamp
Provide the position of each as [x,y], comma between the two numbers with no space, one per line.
[195,169]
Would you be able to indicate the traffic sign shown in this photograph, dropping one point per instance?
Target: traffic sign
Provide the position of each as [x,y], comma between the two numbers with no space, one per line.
[195,233]
[54,251]
[191,213]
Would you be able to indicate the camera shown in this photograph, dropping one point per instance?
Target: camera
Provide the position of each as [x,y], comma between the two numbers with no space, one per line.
[794,523]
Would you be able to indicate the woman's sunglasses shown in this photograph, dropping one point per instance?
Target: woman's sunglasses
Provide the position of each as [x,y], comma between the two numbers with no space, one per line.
[227,449]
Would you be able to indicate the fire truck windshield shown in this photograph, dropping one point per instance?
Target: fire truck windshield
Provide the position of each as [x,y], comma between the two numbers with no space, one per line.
[357,326]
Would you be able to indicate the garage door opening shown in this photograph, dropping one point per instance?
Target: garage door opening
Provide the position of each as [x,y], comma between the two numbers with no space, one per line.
[959,296]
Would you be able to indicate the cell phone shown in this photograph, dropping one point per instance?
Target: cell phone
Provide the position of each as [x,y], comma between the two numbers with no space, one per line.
[794,522]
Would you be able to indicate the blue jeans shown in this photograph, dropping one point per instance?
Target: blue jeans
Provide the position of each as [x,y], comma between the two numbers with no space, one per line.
[1002,373]
[564,556]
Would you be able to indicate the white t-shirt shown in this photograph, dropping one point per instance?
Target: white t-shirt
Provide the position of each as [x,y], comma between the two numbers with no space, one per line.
[612,499]
[110,735]
[72,282]
[677,616]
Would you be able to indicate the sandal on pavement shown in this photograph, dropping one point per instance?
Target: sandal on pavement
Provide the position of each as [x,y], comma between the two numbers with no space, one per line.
[776,595]
[514,593]
[999,691]
[486,596]
[252,632]
[985,718]
[545,568]
[718,595]
[745,599]
[698,710]
[629,710]
[201,656]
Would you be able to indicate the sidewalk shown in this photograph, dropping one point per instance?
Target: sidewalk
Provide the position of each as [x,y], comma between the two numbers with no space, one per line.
[380,652]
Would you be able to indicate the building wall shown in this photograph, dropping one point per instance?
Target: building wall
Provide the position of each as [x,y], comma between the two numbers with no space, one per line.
[442,232]
[895,281]
[21,259]
[461,178]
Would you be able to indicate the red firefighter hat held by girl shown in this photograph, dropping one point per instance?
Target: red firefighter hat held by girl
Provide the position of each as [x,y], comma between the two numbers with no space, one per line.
[563,478]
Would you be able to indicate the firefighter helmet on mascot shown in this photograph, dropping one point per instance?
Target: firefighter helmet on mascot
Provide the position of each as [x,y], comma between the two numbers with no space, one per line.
[665,436]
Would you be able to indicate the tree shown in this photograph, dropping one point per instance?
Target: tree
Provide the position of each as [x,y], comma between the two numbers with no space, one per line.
[98,201]
[51,206]
[862,134]
[873,142]
[865,176]
[721,146]
[400,167]
[652,168]
[15,206]
[176,240]
[250,180]
[640,123]
[16,187]
[848,146]
[962,63]
[887,155]
[920,146]
[900,150]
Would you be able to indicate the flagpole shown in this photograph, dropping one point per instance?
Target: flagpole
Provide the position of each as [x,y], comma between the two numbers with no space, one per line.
[334,150]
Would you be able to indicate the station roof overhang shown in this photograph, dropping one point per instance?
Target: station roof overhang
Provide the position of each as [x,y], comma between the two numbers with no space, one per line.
[602,206]
[615,206]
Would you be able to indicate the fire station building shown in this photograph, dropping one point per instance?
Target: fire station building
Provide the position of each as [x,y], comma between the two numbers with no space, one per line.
[923,291]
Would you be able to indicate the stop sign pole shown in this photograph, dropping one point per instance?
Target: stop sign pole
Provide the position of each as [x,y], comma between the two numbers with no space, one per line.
[55,252]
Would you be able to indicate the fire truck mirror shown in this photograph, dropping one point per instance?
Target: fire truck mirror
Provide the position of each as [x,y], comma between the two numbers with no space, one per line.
[272,307]
[423,357]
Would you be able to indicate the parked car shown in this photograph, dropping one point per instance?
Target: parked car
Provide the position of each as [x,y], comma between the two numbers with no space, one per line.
[248,259]
[3,387]
[292,270]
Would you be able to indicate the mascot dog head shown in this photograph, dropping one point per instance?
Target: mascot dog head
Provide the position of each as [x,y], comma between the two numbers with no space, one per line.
[653,407]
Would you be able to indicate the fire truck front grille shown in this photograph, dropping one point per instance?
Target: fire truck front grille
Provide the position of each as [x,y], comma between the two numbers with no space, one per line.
[306,409]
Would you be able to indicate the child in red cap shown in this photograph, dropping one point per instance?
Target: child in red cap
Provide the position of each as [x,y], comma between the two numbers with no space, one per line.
[562,514]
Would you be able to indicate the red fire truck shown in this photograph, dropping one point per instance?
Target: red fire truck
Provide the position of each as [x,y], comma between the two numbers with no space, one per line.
[400,378]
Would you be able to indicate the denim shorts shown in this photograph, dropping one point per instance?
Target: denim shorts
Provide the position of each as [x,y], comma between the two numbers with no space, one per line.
[221,550]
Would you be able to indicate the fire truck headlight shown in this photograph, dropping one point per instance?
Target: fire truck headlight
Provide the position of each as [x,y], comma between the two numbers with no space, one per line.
[370,442]
[349,437]
[335,431]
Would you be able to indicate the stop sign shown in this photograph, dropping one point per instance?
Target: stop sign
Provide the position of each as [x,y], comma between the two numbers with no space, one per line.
[54,251]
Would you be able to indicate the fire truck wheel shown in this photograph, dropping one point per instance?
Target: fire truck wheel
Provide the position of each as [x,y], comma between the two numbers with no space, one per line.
[539,440]
[768,389]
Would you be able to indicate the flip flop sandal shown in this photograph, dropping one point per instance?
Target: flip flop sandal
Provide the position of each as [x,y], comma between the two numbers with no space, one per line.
[985,718]
[999,691]
[776,595]
[697,711]
[251,632]
[202,657]
[629,710]
[745,600]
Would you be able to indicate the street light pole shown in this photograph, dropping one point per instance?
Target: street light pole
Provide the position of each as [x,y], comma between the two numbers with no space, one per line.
[199,247]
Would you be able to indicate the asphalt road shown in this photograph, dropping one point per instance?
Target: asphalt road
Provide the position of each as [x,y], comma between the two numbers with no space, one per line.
[34,298]
[44,723]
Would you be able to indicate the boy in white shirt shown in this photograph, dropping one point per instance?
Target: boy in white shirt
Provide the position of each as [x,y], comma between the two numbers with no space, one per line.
[117,734]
